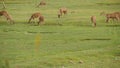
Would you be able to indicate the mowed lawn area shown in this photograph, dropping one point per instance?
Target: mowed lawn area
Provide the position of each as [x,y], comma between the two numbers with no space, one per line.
[73,44]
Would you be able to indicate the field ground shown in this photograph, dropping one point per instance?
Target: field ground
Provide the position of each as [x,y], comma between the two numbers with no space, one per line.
[74,44]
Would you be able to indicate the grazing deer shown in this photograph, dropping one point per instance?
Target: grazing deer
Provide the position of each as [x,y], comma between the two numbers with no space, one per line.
[42,3]
[36,15]
[63,11]
[93,20]
[41,19]
[110,16]
[7,16]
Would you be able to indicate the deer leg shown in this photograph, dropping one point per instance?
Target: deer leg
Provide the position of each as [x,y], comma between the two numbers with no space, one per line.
[33,20]
[107,20]
[8,21]
[30,20]
[61,13]
[38,22]
[12,21]
[7,17]
[114,19]
[94,24]
[117,18]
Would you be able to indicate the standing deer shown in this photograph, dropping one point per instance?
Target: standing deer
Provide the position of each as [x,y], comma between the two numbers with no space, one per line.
[110,16]
[93,20]
[63,11]
[42,3]
[7,16]
[36,15]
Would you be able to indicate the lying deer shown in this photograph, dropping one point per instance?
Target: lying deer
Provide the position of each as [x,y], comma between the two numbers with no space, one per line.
[7,16]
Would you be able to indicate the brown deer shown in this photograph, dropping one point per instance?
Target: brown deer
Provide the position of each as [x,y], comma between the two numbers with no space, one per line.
[7,16]
[36,15]
[41,19]
[42,3]
[63,11]
[93,20]
[110,16]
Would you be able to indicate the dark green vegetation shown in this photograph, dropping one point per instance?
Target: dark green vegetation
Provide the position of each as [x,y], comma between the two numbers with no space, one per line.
[75,44]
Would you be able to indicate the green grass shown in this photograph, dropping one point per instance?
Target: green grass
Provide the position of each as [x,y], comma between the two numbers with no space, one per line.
[76,40]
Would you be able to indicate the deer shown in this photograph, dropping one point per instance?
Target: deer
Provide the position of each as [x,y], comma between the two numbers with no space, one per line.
[41,19]
[36,15]
[7,16]
[63,11]
[42,3]
[93,20]
[110,16]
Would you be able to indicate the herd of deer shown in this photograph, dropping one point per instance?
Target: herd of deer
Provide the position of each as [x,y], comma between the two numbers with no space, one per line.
[114,15]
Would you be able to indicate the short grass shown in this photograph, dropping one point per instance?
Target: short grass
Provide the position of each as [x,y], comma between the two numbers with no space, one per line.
[63,45]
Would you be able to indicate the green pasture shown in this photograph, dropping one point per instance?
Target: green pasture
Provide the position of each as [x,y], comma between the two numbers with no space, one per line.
[73,44]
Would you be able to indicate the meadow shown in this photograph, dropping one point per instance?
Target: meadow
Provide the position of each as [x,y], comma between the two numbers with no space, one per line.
[74,44]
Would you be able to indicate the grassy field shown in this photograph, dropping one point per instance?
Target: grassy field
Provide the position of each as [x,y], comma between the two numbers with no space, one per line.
[75,44]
